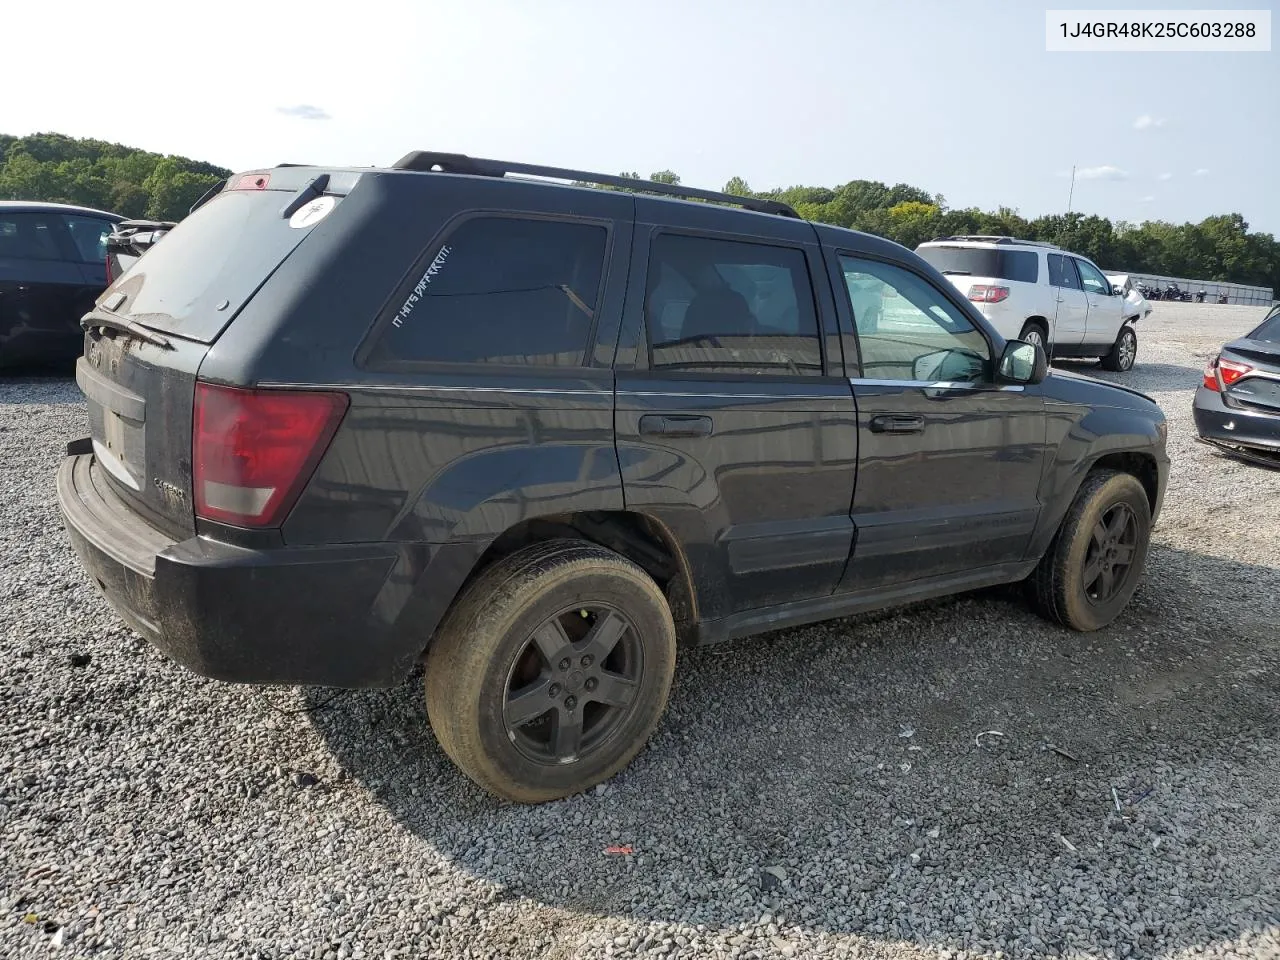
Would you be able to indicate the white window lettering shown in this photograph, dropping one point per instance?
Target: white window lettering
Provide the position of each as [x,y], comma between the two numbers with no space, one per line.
[420,288]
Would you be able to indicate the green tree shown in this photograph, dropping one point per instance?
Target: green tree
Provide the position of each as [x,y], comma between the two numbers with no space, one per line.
[109,176]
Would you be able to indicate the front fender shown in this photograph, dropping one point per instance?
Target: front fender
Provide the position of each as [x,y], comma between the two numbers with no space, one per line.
[1081,434]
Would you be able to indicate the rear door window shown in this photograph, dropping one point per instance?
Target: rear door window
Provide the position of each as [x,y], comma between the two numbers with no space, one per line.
[724,306]
[1062,271]
[502,290]
[1021,266]
[29,236]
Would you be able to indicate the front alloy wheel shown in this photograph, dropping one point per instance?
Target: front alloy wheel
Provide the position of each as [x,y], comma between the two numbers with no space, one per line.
[1095,561]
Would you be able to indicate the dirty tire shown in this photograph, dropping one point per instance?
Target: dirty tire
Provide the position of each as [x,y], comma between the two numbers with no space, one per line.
[484,637]
[1057,588]
[1123,352]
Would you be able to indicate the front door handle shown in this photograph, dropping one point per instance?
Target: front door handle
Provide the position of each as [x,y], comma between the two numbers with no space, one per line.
[674,425]
[897,423]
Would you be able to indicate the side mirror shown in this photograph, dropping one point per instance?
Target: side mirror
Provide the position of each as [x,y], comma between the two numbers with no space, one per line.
[1115,289]
[1022,362]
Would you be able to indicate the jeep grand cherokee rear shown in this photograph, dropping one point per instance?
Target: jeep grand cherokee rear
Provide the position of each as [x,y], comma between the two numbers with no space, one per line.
[346,421]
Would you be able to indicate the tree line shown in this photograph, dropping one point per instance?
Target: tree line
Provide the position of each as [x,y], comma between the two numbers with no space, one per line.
[1217,248]
[105,176]
[137,183]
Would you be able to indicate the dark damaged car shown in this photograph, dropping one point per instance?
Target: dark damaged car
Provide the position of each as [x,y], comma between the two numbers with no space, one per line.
[342,422]
[1237,407]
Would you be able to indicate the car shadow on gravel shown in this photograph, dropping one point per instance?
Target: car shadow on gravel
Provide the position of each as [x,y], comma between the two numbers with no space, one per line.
[958,775]
[1148,377]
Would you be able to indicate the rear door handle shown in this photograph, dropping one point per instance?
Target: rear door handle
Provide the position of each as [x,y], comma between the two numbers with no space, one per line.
[897,424]
[671,425]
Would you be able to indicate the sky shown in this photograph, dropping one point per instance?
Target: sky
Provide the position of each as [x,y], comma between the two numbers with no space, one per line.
[956,98]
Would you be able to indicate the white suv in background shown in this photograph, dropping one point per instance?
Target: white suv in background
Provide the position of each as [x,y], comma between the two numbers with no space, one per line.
[1041,293]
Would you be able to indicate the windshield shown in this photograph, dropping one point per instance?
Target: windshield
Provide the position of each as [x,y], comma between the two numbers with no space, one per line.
[1018,265]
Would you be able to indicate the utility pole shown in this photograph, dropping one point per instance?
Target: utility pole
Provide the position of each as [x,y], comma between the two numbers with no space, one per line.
[1072,192]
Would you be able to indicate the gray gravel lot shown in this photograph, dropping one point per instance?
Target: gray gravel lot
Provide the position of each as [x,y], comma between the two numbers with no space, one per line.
[816,792]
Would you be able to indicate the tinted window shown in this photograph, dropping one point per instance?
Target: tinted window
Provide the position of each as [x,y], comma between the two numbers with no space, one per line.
[1062,272]
[907,329]
[730,307]
[1092,280]
[1019,265]
[1269,329]
[502,290]
[28,236]
[90,236]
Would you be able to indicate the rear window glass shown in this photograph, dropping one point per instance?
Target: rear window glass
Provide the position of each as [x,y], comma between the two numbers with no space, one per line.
[502,290]
[1020,265]
[223,251]
[1269,330]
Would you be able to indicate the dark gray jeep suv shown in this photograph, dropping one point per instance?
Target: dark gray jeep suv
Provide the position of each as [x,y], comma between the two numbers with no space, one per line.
[343,421]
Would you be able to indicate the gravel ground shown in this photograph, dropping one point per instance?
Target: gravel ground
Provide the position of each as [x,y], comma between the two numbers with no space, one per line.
[812,792]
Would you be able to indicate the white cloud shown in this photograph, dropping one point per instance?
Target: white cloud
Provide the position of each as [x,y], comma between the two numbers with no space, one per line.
[1202,172]
[1147,199]
[1105,172]
[1165,176]
[304,111]
[1147,122]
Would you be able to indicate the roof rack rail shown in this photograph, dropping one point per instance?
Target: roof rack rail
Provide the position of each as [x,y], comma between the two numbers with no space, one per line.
[995,238]
[426,161]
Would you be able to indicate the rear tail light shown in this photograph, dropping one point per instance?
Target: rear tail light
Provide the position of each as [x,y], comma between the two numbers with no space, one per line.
[1226,371]
[108,269]
[1211,375]
[987,293]
[253,451]
[1230,371]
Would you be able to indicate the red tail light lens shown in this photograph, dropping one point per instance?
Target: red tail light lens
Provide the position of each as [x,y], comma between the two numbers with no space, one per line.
[254,450]
[987,293]
[1211,375]
[1230,371]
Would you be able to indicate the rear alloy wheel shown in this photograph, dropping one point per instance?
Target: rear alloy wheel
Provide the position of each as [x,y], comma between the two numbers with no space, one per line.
[551,672]
[1093,566]
[1124,352]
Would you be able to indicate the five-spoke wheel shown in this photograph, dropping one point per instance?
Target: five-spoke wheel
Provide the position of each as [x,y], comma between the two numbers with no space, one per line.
[549,674]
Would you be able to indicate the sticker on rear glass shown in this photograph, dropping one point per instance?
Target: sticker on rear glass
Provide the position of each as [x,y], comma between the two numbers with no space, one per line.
[420,289]
[312,213]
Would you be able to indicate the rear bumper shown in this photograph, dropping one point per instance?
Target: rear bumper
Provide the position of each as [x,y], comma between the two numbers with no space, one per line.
[344,616]
[1235,426]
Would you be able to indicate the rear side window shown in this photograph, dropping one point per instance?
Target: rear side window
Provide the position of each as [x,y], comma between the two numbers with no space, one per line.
[503,290]
[90,236]
[1022,266]
[722,306]
[1062,272]
[28,236]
